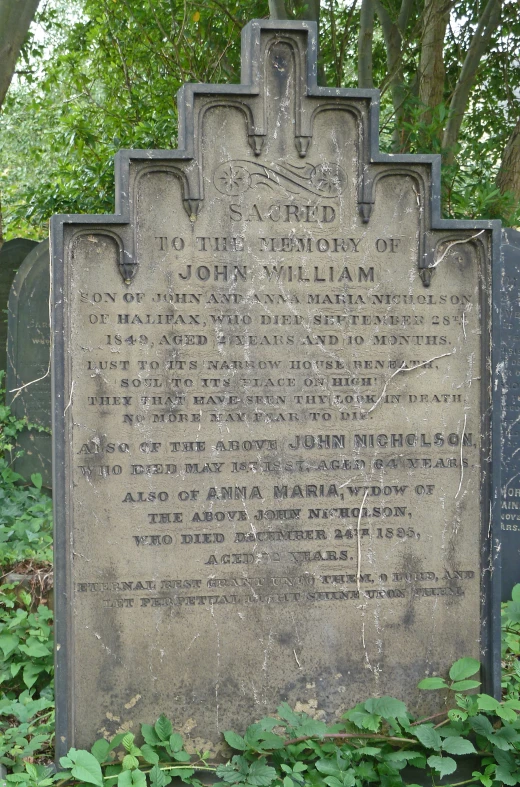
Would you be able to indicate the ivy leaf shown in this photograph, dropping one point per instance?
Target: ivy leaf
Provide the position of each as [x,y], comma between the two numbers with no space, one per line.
[163,727]
[36,480]
[100,750]
[454,744]
[235,741]
[429,737]
[430,684]
[464,668]
[30,674]
[260,774]
[87,768]
[443,765]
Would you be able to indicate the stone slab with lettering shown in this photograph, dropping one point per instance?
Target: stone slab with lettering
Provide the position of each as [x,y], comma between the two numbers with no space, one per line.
[12,254]
[28,383]
[510,376]
[271,416]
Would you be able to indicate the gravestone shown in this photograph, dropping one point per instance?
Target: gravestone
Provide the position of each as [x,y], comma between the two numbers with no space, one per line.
[271,418]
[28,379]
[12,254]
[510,441]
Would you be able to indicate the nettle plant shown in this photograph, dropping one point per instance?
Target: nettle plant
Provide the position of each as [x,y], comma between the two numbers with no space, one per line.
[375,743]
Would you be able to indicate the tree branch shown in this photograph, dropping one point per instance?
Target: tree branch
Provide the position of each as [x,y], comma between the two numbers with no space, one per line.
[277,9]
[366,35]
[15,20]
[431,69]
[485,29]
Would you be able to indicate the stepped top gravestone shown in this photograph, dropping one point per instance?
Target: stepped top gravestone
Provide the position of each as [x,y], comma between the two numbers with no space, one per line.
[28,381]
[271,418]
[510,441]
[12,254]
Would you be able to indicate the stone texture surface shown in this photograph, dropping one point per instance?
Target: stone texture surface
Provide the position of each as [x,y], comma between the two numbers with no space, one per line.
[28,380]
[510,376]
[270,431]
[12,254]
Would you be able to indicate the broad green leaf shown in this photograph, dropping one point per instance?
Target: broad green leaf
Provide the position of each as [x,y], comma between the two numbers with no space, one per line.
[288,782]
[163,728]
[432,683]
[138,779]
[387,707]
[311,727]
[100,750]
[443,765]
[130,762]
[285,712]
[159,778]
[465,685]
[181,756]
[515,593]
[8,643]
[457,745]
[507,714]
[30,674]
[299,767]
[66,762]
[485,702]
[149,734]
[128,741]
[36,480]
[235,741]
[149,754]
[464,668]
[87,768]
[429,737]
[504,776]
[481,725]
[124,779]
[260,774]
[176,742]
[513,611]
[328,767]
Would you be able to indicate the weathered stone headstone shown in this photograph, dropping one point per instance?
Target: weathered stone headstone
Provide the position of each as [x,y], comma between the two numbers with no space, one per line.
[12,254]
[510,442]
[271,417]
[28,379]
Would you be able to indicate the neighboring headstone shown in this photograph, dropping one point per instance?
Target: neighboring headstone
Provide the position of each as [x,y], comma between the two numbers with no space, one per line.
[28,381]
[12,254]
[510,376]
[271,418]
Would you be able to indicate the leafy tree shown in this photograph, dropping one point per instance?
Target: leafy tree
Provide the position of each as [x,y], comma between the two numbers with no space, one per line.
[449,77]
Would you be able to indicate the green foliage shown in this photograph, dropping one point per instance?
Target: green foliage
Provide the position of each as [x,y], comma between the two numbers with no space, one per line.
[374,744]
[511,645]
[109,77]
